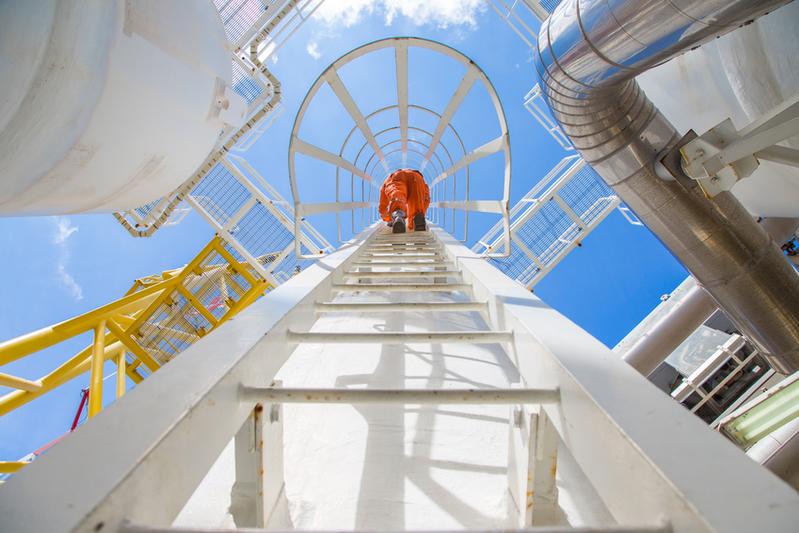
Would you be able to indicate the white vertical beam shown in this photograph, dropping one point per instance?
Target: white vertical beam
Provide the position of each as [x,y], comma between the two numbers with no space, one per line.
[401,60]
[245,503]
[532,467]
[271,480]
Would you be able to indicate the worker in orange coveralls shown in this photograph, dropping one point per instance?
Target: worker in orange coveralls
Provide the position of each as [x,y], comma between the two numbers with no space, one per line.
[404,196]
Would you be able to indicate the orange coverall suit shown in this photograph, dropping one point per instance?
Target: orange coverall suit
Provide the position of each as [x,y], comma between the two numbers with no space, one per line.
[404,189]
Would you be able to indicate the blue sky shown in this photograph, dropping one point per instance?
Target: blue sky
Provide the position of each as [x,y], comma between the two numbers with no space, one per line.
[57,267]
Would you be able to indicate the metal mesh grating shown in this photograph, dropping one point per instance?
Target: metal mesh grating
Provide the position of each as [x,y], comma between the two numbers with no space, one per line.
[238,16]
[255,223]
[245,85]
[549,5]
[545,230]
[261,233]
[555,215]
[221,194]
[585,193]
[144,210]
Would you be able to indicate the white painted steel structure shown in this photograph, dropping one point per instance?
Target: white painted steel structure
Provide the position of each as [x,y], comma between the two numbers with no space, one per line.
[443,184]
[108,105]
[684,477]
[255,30]
[534,103]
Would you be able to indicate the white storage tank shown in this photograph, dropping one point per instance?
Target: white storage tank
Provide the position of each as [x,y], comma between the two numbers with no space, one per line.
[107,105]
[739,76]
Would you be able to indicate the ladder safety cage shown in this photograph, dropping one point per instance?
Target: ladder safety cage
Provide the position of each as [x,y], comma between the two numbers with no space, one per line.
[392,147]
[551,220]
[403,142]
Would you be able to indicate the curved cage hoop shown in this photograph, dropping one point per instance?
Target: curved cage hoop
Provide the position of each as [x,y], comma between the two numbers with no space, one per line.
[372,155]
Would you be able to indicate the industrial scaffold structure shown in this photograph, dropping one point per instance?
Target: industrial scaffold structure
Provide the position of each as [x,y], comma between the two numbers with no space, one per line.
[412,380]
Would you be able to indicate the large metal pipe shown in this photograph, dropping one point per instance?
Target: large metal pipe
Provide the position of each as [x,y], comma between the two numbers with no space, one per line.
[654,346]
[779,452]
[589,52]
[691,311]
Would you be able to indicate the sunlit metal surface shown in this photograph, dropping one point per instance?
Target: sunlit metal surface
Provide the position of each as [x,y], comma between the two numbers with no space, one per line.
[588,55]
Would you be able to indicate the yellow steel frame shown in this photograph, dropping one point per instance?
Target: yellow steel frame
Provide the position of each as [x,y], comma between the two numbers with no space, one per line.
[118,328]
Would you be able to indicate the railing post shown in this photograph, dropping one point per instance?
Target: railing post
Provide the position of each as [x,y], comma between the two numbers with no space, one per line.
[122,364]
[96,377]
[259,466]
[532,466]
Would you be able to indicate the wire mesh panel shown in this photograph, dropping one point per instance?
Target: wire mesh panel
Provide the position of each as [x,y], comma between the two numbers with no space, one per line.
[238,16]
[551,219]
[255,222]
[202,299]
[548,5]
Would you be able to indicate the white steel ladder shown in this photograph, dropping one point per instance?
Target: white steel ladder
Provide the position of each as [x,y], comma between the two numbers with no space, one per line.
[574,408]
[410,276]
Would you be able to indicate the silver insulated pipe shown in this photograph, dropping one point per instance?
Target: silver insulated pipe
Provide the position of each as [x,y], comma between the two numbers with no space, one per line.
[589,53]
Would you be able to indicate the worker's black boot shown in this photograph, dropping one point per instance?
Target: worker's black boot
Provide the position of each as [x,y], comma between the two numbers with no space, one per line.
[419,223]
[398,221]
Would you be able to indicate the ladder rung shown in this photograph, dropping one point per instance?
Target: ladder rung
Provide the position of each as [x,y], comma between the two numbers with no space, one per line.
[127,527]
[410,245]
[401,396]
[403,241]
[390,255]
[375,251]
[419,244]
[356,307]
[402,287]
[402,274]
[400,263]
[400,337]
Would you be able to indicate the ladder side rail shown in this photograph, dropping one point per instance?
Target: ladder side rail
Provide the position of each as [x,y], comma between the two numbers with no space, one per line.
[623,433]
[151,461]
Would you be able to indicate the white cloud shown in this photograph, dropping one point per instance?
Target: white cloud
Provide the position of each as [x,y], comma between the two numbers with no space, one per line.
[313,49]
[440,13]
[69,283]
[63,230]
